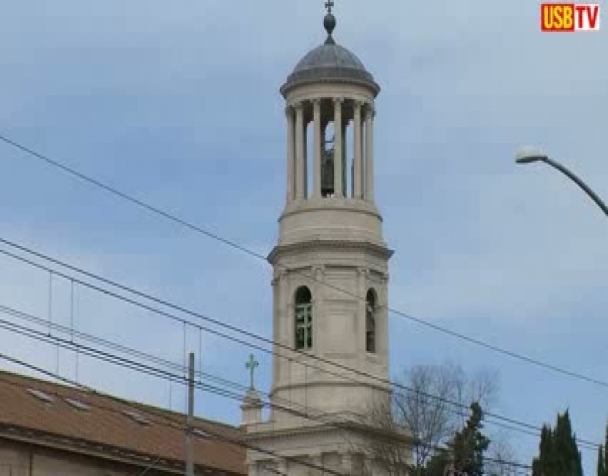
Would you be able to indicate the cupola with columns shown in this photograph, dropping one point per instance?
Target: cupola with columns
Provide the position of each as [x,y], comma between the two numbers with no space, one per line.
[330,94]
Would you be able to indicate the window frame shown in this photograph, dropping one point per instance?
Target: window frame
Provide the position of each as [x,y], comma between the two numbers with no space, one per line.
[303,319]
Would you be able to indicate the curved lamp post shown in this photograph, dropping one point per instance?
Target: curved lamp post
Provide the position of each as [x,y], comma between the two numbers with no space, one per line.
[527,155]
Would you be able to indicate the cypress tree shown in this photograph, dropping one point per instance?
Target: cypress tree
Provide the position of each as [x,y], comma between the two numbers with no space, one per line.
[601,462]
[558,451]
[546,463]
[566,449]
[602,458]
[606,454]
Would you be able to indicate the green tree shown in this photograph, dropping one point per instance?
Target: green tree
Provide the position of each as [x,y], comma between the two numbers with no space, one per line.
[545,464]
[470,444]
[558,451]
[602,458]
[465,450]
[601,462]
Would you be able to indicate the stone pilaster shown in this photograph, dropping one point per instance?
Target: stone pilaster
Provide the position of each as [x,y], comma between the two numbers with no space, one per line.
[362,274]
[318,322]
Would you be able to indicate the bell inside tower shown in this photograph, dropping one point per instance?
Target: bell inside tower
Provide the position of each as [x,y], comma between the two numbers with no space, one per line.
[327,169]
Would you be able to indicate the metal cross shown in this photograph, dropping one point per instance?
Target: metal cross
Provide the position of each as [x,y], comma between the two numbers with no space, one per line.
[251,365]
[329,5]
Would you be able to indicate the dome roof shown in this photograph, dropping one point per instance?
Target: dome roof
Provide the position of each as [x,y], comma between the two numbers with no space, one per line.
[327,62]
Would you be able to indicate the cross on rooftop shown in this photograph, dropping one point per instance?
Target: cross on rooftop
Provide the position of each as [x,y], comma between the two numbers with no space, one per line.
[251,365]
[329,5]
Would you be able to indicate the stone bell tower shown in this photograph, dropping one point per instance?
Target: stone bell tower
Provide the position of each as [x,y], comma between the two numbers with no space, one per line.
[330,266]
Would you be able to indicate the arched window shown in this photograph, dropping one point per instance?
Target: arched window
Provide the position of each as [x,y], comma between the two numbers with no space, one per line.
[303,318]
[370,321]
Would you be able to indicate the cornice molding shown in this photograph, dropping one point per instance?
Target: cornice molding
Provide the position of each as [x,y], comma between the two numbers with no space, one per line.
[342,204]
[325,429]
[320,244]
[292,85]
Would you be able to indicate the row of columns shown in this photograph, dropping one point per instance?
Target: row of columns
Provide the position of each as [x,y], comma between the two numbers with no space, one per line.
[297,154]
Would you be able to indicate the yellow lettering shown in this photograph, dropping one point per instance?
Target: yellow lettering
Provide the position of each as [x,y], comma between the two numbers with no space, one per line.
[547,17]
[568,18]
[557,16]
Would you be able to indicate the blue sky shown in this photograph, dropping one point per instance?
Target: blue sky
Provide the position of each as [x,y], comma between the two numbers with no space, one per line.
[179,105]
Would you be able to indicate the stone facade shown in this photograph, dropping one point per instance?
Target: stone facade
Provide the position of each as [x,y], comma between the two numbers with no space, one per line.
[24,459]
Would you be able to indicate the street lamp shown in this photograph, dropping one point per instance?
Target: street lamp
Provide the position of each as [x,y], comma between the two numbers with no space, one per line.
[529,154]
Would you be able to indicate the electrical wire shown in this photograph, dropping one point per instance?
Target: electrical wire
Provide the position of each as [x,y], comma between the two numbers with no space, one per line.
[243,249]
[285,405]
[232,328]
[184,381]
[217,322]
[305,413]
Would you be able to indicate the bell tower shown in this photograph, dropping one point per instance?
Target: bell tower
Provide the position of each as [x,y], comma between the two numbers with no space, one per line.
[330,262]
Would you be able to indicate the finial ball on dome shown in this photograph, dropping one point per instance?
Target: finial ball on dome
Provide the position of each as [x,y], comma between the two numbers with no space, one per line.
[329,22]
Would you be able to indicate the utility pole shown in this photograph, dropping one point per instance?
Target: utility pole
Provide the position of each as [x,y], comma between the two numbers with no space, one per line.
[190,420]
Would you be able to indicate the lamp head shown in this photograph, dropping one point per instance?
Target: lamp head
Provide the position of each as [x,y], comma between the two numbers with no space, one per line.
[529,154]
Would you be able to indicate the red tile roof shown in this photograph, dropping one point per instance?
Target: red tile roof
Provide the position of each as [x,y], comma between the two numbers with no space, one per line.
[99,421]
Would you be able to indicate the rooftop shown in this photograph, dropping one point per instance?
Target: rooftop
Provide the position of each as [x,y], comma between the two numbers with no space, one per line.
[330,62]
[111,427]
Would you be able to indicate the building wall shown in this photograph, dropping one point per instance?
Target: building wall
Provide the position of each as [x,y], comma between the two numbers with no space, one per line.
[18,459]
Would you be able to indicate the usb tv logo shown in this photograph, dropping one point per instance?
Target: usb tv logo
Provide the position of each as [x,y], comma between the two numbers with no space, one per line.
[569,17]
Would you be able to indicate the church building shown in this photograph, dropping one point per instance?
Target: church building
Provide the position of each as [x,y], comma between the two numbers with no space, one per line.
[330,277]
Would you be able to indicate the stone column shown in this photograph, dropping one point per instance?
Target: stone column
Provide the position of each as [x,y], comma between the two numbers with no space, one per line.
[369,153]
[317,148]
[290,153]
[300,151]
[344,159]
[357,169]
[338,147]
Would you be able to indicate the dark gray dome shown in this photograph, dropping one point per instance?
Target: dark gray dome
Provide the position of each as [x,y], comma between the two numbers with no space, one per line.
[328,62]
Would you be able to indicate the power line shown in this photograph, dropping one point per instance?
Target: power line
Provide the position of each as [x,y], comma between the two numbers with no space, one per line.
[138,367]
[232,328]
[71,345]
[304,412]
[206,388]
[234,245]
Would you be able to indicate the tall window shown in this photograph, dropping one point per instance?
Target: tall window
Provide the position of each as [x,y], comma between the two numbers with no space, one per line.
[370,321]
[303,318]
